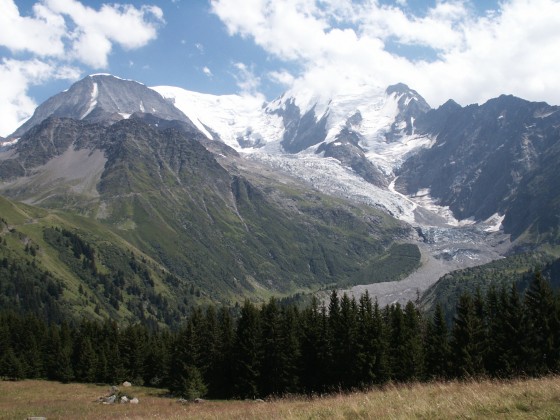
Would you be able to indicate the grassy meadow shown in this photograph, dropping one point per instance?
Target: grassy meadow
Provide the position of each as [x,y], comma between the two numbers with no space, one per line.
[526,399]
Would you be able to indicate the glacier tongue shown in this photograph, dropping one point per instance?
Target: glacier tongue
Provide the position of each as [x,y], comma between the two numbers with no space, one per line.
[329,176]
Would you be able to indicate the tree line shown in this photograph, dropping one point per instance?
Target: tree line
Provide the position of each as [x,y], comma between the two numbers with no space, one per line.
[277,349]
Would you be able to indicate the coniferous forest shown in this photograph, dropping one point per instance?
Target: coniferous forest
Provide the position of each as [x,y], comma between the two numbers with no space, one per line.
[275,349]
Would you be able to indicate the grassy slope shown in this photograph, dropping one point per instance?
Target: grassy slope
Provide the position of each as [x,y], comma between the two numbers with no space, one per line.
[82,294]
[523,399]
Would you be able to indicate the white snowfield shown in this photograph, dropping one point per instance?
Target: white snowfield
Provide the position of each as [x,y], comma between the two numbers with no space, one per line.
[229,116]
[92,101]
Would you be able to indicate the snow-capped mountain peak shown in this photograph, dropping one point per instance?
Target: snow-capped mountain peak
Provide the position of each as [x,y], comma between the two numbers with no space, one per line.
[240,121]
[102,98]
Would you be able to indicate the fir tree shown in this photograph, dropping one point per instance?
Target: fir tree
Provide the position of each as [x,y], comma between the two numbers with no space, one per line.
[437,346]
[467,346]
[542,326]
[247,350]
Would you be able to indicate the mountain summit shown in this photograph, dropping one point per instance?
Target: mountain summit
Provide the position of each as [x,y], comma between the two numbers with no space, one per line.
[103,98]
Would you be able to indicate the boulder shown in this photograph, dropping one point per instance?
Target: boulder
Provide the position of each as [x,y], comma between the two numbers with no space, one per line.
[109,400]
[124,399]
[134,401]
[126,384]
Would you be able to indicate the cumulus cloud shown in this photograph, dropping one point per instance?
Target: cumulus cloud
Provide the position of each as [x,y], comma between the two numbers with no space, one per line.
[95,31]
[16,76]
[207,71]
[246,79]
[340,44]
[282,77]
[56,38]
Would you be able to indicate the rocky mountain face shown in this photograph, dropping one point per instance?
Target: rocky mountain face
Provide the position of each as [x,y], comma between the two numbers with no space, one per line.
[237,197]
[498,157]
[214,221]
[103,98]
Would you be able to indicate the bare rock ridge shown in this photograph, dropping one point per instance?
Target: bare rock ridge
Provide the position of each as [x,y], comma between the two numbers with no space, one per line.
[495,158]
[103,98]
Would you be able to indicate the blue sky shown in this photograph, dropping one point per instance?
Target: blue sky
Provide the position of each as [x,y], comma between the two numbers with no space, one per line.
[469,50]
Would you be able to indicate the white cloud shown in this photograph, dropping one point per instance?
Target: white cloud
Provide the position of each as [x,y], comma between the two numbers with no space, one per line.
[207,71]
[246,79]
[59,35]
[15,79]
[282,77]
[95,31]
[342,43]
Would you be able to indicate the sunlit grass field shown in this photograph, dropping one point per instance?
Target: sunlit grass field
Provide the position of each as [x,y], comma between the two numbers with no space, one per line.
[523,399]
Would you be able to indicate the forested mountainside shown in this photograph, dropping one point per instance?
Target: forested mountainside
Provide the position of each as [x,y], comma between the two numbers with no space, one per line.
[274,350]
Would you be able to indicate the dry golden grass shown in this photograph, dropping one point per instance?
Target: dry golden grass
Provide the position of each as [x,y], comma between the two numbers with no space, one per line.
[523,399]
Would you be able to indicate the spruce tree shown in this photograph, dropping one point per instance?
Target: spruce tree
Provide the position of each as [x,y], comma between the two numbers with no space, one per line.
[542,326]
[185,375]
[467,345]
[272,352]
[345,342]
[365,343]
[315,354]
[514,333]
[11,366]
[437,346]
[85,359]
[221,377]
[380,348]
[414,349]
[247,352]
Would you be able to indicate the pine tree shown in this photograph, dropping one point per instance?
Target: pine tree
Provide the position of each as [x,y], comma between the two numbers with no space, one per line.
[437,346]
[290,324]
[414,349]
[514,333]
[315,354]
[156,371]
[132,345]
[381,330]
[271,364]
[185,375]
[10,366]
[542,326]
[365,343]
[58,357]
[247,351]
[467,345]
[221,379]
[346,345]
[85,360]
[397,344]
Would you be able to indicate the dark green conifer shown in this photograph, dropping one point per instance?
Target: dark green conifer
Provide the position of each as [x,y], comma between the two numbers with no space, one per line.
[542,326]
[247,351]
[437,346]
[467,345]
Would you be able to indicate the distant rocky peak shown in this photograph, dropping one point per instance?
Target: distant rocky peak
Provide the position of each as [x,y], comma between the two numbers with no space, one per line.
[411,106]
[103,98]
